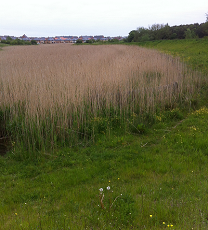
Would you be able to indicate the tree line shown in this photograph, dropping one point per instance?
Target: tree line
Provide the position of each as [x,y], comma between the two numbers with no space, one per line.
[164,31]
[17,41]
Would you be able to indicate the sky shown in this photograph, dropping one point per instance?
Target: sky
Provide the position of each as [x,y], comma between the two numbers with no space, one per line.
[93,17]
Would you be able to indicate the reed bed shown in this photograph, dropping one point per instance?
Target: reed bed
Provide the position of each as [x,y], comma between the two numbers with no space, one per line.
[62,94]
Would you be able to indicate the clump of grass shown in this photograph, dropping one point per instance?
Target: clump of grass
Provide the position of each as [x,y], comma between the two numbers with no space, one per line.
[65,95]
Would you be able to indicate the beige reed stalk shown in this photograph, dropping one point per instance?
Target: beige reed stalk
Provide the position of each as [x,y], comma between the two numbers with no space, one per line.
[62,78]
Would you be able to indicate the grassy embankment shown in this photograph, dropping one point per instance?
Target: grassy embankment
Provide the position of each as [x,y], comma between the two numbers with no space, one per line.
[157,179]
[192,51]
[2,45]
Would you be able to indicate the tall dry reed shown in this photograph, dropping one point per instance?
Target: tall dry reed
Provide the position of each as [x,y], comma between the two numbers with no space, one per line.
[51,92]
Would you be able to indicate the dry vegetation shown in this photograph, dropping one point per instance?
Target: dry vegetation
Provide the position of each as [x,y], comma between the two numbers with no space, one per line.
[49,92]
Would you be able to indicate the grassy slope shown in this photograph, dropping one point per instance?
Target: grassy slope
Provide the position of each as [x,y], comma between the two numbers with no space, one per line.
[2,45]
[162,176]
[193,51]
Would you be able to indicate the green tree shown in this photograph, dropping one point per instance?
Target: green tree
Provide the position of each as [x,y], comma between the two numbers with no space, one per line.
[9,39]
[144,38]
[173,36]
[33,42]
[189,34]
[142,34]
[131,36]
[165,32]
[79,41]
[17,42]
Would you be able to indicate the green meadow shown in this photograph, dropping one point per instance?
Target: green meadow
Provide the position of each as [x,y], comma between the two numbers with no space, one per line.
[192,51]
[153,175]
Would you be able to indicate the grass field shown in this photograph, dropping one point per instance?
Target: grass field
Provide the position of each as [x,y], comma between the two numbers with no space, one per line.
[153,171]
[192,51]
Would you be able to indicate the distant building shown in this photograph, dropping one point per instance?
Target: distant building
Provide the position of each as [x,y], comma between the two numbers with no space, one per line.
[85,38]
[40,40]
[98,37]
[2,38]
[49,40]
[61,39]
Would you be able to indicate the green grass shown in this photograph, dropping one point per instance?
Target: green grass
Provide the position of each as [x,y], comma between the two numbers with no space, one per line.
[161,172]
[192,51]
[2,45]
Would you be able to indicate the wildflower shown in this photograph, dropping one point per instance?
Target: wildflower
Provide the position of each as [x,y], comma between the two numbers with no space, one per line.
[108,188]
[163,222]
[159,118]
[151,216]
[101,190]
[15,213]
[118,178]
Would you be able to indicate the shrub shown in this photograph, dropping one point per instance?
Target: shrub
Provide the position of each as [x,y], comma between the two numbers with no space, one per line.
[79,41]
[33,42]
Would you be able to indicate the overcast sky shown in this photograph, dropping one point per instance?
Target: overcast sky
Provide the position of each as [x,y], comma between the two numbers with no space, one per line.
[94,17]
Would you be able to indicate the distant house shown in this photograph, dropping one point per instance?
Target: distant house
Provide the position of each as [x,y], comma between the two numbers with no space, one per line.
[65,39]
[103,39]
[40,40]
[98,37]
[2,38]
[25,38]
[61,39]
[49,40]
[68,40]
[13,37]
[85,38]
[118,38]
[58,40]
[109,38]
[6,36]
[74,39]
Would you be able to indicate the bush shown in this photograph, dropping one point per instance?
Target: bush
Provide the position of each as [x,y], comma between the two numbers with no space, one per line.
[79,41]
[17,42]
[33,42]
[90,41]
